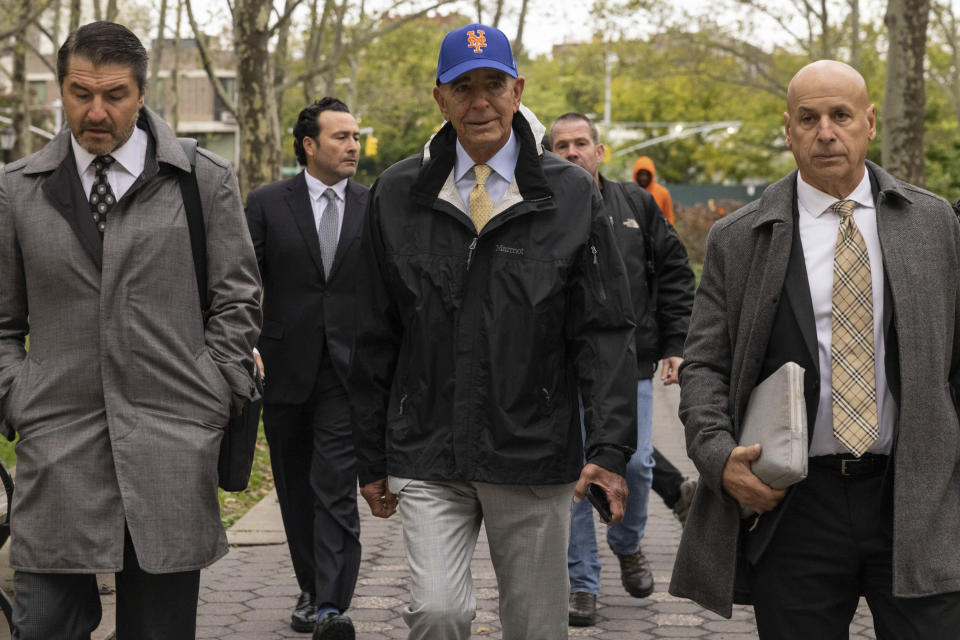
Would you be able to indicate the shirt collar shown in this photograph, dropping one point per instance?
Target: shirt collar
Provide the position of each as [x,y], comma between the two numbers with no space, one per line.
[130,156]
[317,187]
[817,202]
[503,162]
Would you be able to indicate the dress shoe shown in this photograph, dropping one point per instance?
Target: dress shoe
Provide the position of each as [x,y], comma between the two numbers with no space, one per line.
[304,614]
[334,626]
[635,575]
[583,609]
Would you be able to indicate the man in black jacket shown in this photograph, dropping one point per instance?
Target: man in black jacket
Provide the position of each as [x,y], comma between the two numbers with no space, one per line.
[305,231]
[495,292]
[661,287]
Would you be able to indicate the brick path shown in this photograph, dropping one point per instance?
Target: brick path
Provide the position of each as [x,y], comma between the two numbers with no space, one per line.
[248,595]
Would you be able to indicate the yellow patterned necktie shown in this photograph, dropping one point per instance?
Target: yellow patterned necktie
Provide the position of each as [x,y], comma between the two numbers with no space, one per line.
[854,388]
[481,206]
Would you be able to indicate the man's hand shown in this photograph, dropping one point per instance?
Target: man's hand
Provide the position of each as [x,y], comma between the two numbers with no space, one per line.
[259,361]
[670,370]
[613,485]
[383,504]
[743,486]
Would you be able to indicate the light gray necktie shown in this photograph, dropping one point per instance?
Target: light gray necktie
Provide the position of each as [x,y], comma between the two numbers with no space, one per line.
[327,229]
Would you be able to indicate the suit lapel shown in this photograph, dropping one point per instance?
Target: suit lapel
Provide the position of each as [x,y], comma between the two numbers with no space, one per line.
[350,230]
[298,199]
[797,288]
[65,192]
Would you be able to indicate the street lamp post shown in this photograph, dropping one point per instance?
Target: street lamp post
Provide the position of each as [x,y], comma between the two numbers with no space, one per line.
[8,138]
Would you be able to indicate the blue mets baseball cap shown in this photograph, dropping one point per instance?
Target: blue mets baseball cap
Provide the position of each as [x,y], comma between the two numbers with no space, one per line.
[474,46]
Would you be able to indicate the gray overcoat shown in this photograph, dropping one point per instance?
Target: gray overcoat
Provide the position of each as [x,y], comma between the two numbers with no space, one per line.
[121,401]
[743,277]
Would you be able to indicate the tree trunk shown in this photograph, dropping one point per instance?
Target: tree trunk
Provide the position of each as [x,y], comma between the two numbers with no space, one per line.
[97,10]
[112,10]
[156,61]
[20,110]
[74,15]
[55,24]
[173,95]
[280,61]
[256,104]
[904,102]
[497,14]
[825,49]
[855,34]
[518,42]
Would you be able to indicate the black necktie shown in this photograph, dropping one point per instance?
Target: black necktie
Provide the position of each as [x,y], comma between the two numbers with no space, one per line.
[101,195]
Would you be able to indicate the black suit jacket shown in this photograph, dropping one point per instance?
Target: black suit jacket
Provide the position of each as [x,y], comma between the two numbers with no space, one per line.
[305,311]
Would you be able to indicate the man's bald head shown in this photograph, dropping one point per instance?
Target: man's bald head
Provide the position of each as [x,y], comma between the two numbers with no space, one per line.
[827,75]
[828,124]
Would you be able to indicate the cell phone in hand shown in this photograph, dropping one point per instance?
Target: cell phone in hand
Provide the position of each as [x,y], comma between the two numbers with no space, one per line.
[598,498]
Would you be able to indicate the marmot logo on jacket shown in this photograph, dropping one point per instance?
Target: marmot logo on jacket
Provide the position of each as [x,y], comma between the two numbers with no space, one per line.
[513,250]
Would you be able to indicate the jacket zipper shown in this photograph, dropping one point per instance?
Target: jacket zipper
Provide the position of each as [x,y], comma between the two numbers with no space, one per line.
[403,399]
[473,245]
[596,266]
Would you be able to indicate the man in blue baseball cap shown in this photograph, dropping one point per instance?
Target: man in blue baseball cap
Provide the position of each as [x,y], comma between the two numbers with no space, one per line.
[496,295]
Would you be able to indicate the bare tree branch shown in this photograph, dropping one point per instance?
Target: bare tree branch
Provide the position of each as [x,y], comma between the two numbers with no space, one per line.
[359,44]
[289,8]
[208,63]
[30,19]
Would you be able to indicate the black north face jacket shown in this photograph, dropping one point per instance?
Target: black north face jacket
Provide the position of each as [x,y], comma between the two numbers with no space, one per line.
[661,282]
[471,349]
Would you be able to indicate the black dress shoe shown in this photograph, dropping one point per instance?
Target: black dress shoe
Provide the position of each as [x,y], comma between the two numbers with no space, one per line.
[334,626]
[304,614]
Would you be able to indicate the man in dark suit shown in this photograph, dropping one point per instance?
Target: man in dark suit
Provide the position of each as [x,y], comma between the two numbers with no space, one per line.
[305,232]
[851,273]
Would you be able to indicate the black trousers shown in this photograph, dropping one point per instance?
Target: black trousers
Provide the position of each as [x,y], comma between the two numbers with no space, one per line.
[666,479]
[834,544]
[57,606]
[314,471]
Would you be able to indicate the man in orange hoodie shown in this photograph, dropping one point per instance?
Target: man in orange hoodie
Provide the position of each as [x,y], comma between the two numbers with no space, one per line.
[644,174]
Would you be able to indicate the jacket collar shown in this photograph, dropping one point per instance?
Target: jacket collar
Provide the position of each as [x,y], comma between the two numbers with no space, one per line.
[777,201]
[167,147]
[439,156]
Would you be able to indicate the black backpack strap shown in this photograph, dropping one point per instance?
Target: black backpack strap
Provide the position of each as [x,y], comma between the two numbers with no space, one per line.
[190,192]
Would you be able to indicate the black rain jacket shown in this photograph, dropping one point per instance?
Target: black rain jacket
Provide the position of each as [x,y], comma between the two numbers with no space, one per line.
[471,348]
[662,283]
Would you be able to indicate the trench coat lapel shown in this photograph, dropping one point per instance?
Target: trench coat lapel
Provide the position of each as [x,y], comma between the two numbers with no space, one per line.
[766,276]
[298,200]
[797,288]
[65,192]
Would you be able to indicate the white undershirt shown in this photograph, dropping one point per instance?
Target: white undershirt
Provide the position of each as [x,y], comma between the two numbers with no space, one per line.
[818,234]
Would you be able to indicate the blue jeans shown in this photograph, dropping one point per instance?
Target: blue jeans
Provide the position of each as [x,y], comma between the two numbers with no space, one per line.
[624,539]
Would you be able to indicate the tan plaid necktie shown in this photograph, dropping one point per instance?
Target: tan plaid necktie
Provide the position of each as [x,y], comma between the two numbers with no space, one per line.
[851,349]
[481,206]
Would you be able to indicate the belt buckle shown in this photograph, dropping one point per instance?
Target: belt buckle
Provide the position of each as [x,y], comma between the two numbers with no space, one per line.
[843,465]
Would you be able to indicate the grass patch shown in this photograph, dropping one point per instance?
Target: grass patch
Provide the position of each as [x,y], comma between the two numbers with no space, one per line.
[234,504]
[7,454]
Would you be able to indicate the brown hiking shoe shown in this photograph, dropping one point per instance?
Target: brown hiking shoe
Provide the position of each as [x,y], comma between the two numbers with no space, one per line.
[634,574]
[583,609]
[682,508]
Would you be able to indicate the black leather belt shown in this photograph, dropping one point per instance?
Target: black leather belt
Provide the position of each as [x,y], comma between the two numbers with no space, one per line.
[847,465]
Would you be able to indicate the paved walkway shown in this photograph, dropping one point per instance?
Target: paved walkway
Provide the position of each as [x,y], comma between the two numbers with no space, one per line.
[248,595]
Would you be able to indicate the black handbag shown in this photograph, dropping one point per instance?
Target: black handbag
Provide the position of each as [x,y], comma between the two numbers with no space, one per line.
[240,434]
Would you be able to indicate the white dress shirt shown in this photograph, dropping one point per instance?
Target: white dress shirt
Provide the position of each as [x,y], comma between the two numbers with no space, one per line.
[317,189]
[502,165]
[819,227]
[130,158]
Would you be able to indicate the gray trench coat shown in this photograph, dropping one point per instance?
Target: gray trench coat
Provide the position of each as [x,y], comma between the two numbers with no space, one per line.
[121,401]
[743,275]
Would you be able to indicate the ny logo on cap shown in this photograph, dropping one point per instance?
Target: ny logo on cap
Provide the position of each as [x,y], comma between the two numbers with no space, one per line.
[476,41]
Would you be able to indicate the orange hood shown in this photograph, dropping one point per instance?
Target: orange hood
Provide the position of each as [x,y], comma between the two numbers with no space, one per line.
[645,163]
